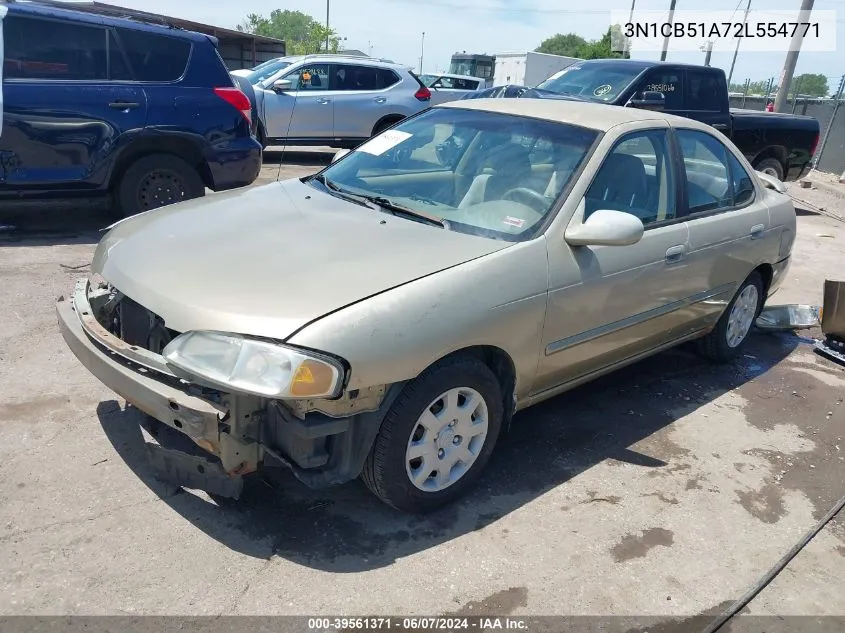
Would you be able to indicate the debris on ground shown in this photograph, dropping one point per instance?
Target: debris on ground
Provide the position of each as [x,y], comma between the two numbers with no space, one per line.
[788,317]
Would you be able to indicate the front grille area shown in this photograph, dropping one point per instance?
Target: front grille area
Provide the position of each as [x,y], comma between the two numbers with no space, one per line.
[134,324]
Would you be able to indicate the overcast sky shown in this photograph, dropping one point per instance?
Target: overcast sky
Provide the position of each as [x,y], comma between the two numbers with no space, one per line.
[393,28]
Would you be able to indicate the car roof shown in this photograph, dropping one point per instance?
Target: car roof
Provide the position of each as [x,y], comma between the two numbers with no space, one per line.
[345,59]
[643,64]
[35,9]
[596,116]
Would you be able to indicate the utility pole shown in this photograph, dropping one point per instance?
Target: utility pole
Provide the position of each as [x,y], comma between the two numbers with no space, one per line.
[422,52]
[738,40]
[625,50]
[327,25]
[792,57]
[836,104]
[666,39]
[709,51]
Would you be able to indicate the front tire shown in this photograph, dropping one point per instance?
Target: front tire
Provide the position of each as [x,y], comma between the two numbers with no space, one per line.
[155,181]
[729,336]
[437,437]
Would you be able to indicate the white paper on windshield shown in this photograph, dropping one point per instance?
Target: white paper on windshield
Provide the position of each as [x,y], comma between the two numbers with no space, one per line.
[378,145]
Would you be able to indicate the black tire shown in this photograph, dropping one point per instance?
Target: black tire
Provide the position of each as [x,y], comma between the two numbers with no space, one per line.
[715,346]
[382,125]
[261,137]
[771,164]
[157,180]
[385,472]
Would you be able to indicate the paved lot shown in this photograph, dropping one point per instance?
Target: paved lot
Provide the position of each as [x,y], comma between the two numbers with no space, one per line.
[666,489]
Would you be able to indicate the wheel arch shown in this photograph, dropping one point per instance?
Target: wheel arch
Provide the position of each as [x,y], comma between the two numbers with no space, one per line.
[175,145]
[501,364]
[386,121]
[778,152]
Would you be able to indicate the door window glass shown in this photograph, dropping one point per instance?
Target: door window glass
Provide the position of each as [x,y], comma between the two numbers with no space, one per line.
[705,91]
[636,178]
[46,49]
[667,82]
[155,57]
[709,185]
[310,77]
[743,186]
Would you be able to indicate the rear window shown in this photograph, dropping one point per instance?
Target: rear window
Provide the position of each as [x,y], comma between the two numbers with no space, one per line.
[155,57]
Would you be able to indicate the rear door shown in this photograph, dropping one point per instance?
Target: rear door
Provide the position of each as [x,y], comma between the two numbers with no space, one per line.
[729,227]
[64,110]
[707,98]
[362,97]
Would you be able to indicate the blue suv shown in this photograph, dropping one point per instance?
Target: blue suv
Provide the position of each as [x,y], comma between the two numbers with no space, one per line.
[98,106]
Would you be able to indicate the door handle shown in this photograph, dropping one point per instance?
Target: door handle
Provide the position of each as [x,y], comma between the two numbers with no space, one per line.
[675,254]
[757,231]
[380,99]
[323,101]
[720,126]
[124,105]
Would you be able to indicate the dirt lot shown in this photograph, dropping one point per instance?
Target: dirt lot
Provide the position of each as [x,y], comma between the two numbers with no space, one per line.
[666,489]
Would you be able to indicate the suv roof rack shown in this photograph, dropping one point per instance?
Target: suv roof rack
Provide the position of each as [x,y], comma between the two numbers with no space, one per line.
[98,8]
[350,56]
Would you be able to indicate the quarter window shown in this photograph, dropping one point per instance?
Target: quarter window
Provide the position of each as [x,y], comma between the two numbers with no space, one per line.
[636,178]
[715,178]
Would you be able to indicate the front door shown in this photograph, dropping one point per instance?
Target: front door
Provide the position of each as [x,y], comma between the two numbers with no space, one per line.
[670,82]
[306,111]
[624,300]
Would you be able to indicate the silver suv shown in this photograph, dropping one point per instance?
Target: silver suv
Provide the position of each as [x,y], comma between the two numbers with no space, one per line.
[334,100]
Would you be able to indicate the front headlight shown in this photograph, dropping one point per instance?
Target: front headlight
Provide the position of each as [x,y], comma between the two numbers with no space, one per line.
[231,361]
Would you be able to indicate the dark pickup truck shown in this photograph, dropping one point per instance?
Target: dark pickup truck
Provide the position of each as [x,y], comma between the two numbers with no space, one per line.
[781,145]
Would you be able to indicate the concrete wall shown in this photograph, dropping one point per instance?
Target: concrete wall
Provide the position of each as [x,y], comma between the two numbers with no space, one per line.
[832,157]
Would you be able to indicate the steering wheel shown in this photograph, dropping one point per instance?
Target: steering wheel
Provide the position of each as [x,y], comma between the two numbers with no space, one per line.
[528,197]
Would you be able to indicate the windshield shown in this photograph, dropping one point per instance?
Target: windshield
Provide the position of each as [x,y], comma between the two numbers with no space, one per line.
[265,70]
[600,82]
[484,173]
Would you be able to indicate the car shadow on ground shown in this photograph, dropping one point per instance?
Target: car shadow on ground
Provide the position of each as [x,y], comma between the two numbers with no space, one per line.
[346,529]
[298,156]
[54,225]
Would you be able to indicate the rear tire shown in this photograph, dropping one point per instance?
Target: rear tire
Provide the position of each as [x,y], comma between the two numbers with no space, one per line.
[771,166]
[729,336]
[157,180]
[437,437]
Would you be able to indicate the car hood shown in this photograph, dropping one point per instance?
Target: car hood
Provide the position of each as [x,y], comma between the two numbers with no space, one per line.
[268,260]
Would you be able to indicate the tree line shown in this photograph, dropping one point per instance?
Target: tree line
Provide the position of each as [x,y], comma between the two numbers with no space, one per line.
[302,33]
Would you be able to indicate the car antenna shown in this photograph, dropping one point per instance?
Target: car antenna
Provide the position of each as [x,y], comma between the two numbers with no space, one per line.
[290,122]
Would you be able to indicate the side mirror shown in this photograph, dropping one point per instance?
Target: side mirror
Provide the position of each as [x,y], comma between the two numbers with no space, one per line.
[282,85]
[606,228]
[339,154]
[648,100]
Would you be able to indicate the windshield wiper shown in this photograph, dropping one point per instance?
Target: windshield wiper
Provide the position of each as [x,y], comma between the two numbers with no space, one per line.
[397,209]
[385,204]
[338,191]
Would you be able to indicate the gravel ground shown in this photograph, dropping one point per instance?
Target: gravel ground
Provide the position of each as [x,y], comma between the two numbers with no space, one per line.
[666,489]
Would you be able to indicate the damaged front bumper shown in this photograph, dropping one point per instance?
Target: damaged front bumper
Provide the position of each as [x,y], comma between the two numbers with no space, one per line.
[237,431]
